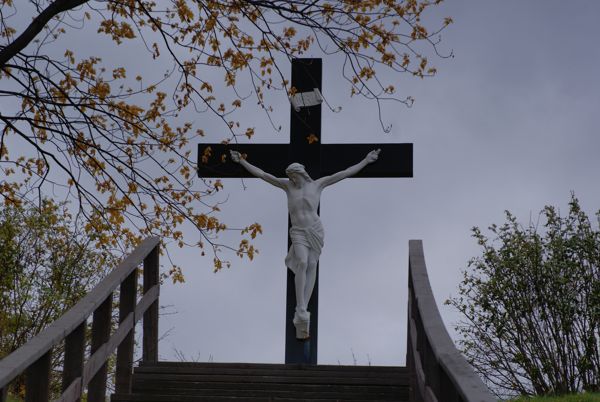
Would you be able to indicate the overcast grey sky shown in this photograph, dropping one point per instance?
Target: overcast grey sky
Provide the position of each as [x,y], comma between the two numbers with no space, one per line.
[511,122]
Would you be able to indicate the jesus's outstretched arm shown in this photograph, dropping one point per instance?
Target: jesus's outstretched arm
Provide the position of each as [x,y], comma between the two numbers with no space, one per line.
[257,172]
[351,171]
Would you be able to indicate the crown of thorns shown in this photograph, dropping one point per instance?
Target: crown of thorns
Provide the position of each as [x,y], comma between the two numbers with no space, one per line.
[297,168]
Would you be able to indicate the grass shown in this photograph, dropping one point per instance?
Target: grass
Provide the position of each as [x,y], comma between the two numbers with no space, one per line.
[587,397]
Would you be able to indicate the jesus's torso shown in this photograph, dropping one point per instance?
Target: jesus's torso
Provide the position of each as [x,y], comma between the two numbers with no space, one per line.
[303,203]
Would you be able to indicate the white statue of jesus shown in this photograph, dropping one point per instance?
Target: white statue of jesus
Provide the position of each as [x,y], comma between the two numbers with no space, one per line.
[303,195]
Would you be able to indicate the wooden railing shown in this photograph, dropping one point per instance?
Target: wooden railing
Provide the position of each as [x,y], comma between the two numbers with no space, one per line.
[438,371]
[34,358]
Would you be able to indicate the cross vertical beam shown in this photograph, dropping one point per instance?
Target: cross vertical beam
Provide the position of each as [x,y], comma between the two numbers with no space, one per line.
[306,76]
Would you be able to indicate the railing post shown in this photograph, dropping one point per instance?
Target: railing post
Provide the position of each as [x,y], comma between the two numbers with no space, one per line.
[412,381]
[127,301]
[74,350]
[150,337]
[100,335]
[37,379]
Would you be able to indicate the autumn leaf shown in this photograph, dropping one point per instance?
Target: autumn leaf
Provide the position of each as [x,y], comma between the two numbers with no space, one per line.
[312,139]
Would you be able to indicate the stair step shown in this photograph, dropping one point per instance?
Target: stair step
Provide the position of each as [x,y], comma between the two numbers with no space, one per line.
[258,390]
[269,379]
[291,366]
[276,387]
[199,367]
[275,371]
[392,394]
[190,398]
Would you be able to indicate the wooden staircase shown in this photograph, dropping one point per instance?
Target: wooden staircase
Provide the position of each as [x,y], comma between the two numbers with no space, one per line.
[435,372]
[182,382]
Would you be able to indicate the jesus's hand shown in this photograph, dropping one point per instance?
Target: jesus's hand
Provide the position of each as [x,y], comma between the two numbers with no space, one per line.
[373,155]
[235,156]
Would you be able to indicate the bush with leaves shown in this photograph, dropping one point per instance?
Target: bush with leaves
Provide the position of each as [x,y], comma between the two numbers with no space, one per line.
[48,265]
[531,305]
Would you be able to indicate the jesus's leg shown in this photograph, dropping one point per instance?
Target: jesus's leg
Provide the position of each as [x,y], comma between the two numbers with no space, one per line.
[301,252]
[311,276]
[302,317]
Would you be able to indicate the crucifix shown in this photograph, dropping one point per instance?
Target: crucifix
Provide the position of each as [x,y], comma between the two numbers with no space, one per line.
[319,160]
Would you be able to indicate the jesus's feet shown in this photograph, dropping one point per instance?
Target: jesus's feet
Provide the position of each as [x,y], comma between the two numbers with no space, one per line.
[302,324]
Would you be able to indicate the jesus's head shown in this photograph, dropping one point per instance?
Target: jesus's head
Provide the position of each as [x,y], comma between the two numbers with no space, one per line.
[296,170]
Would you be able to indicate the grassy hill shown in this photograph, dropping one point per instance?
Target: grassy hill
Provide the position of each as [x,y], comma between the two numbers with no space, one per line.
[595,397]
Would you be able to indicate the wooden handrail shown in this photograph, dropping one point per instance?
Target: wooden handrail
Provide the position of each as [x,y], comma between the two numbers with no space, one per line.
[438,370]
[33,357]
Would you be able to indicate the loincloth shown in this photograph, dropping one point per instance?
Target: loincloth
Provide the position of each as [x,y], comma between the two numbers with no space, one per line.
[312,237]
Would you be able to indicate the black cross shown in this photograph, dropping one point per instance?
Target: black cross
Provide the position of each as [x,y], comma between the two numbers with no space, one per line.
[395,160]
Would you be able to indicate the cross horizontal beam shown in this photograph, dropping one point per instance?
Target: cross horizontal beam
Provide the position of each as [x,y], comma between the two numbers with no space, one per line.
[395,160]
